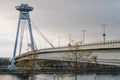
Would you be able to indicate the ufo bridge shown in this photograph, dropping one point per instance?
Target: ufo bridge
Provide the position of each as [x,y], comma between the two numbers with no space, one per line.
[54,59]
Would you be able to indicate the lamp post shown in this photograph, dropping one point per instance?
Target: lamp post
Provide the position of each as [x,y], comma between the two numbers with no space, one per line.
[104,33]
[83,32]
[69,35]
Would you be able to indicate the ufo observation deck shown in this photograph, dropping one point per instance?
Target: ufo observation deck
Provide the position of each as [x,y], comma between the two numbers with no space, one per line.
[24,8]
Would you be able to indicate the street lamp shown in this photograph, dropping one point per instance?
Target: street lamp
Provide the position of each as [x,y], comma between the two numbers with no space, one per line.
[69,35]
[104,33]
[83,31]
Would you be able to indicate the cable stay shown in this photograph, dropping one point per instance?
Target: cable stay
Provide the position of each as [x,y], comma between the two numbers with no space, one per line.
[23,30]
[42,35]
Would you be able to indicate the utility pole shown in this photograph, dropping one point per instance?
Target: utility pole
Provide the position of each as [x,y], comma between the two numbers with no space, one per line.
[83,32]
[104,32]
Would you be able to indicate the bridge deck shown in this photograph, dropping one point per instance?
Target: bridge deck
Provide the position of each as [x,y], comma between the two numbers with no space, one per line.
[50,64]
[110,45]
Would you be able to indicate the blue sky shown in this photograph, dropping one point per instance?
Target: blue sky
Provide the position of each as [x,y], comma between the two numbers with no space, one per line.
[58,18]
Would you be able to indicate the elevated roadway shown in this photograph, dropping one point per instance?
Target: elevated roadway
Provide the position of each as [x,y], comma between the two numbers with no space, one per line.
[51,57]
[110,47]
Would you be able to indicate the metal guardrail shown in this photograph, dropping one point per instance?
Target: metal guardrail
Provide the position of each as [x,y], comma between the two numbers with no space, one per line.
[111,44]
[95,45]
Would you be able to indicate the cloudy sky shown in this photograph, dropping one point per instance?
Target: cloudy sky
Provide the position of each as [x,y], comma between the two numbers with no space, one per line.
[58,18]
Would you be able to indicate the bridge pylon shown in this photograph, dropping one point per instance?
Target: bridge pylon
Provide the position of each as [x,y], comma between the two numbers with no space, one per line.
[24,10]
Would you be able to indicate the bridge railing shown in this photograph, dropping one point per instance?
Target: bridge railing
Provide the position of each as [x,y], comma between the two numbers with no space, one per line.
[94,45]
[102,45]
[112,44]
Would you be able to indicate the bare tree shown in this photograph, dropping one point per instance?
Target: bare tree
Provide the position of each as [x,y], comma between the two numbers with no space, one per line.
[28,66]
[76,55]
